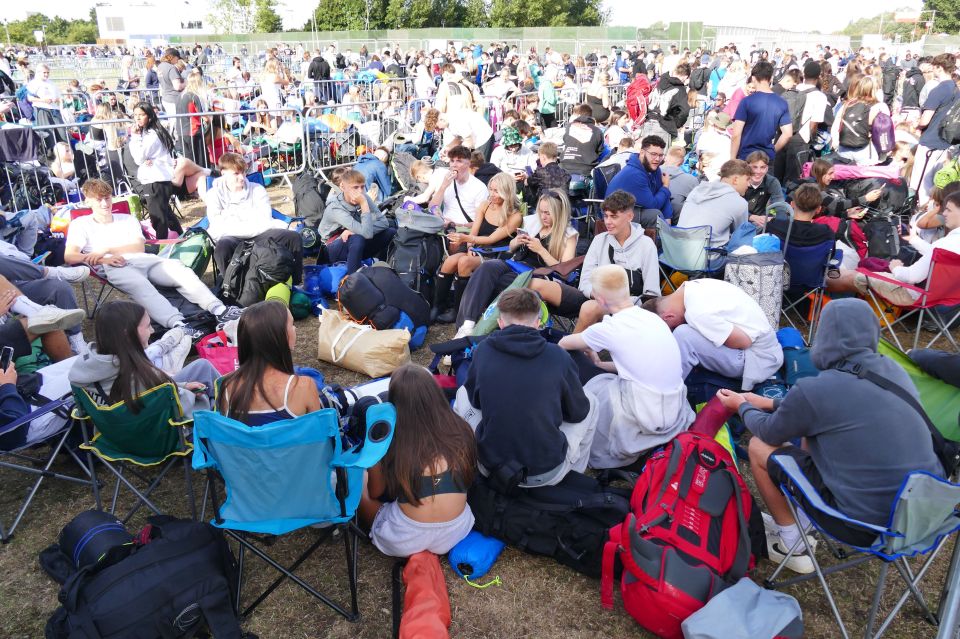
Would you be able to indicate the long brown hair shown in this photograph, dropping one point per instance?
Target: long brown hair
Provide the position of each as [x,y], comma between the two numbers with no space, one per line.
[116,334]
[261,344]
[819,169]
[427,434]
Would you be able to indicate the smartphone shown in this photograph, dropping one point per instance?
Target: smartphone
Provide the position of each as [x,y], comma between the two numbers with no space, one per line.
[6,355]
[522,232]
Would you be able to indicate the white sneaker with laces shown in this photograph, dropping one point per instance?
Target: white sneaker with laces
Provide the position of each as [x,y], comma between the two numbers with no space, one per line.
[772,529]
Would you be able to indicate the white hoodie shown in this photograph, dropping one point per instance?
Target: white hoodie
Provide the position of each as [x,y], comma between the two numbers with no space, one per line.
[243,214]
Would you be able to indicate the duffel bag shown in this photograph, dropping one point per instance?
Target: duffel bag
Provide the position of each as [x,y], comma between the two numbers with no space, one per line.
[361,348]
[569,521]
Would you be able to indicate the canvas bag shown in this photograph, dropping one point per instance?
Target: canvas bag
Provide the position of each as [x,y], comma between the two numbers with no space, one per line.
[361,348]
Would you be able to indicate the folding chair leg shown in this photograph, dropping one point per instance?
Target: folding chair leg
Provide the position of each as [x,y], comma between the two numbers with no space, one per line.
[912,590]
[279,580]
[242,552]
[949,610]
[875,605]
[188,475]
[352,556]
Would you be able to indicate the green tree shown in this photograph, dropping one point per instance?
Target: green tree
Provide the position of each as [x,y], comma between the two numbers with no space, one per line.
[338,15]
[266,19]
[476,13]
[232,16]
[947,18]
[536,13]
[880,21]
[56,30]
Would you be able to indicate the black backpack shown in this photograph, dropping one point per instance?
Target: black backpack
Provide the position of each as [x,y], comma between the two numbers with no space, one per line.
[950,124]
[416,257]
[796,101]
[569,522]
[236,272]
[883,236]
[307,201]
[270,263]
[377,296]
[174,580]
[855,127]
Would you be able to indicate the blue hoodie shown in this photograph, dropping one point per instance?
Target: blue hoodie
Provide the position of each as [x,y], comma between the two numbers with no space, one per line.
[375,172]
[647,187]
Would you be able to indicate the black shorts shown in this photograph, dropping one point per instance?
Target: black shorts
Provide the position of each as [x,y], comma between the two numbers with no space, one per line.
[840,529]
[571,299]
[12,334]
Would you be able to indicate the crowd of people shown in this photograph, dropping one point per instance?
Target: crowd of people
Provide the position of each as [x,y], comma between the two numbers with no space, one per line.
[694,139]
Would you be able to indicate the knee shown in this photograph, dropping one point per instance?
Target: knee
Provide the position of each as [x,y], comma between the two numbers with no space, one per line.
[759,452]
[464,267]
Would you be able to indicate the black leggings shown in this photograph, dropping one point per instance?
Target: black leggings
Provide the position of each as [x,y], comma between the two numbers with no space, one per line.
[488,281]
[162,216]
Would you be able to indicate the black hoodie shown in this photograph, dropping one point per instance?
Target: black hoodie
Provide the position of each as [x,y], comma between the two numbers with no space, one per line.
[672,109]
[582,146]
[913,83]
[525,388]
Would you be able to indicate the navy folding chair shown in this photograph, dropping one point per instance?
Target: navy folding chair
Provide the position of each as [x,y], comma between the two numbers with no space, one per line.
[924,513]
[20,453]
[286,476]
[808,282]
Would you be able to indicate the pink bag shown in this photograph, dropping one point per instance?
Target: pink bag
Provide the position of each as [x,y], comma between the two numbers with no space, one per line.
[216,349]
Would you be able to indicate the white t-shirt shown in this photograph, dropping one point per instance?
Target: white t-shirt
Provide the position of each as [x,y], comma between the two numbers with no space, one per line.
[91,237]
[813,110]
[714,308]
[472,125]
[642,347]
[472,195]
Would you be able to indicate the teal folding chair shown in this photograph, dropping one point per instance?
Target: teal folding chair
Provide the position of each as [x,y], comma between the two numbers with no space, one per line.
[286,476]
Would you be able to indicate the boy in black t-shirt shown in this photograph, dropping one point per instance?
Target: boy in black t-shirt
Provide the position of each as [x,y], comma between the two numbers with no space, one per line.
[806,204]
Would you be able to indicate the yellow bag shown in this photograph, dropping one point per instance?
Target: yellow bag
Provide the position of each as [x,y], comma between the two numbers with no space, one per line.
[361,348]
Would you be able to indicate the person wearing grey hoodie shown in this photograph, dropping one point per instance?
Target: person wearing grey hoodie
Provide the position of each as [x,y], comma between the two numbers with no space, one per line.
[118,366]
[352,225]
[719,205]
[860,440]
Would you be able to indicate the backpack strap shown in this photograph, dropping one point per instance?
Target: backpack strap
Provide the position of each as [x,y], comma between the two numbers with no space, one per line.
[675,453]
[948,453]
[609,564]
[741,562]
[456,193]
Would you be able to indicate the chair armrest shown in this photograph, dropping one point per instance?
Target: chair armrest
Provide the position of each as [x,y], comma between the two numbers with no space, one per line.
[277,215]
[489,250]
[890,280]
[799,480]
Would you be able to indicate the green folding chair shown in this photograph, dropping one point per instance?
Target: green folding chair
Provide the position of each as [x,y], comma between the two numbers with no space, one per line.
[134,442]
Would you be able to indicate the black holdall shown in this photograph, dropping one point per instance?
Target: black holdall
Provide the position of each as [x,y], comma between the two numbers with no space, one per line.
[176,580]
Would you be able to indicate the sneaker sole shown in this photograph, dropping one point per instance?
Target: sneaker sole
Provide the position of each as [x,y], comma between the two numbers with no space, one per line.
[777,557]
[63,322]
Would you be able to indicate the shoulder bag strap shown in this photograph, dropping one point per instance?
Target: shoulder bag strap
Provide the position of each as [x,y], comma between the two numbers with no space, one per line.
[741,562]
[947,453]
[456,193]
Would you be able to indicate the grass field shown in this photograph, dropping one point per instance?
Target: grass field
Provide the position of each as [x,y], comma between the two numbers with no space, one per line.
[538,598]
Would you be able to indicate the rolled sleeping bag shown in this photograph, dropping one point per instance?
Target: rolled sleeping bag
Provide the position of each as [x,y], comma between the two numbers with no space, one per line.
[473,557]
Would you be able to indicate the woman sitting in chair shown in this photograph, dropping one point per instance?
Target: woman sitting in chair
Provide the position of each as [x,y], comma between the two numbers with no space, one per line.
[265,389]
[122,364]
[415,499]
[539,243]
[496,221]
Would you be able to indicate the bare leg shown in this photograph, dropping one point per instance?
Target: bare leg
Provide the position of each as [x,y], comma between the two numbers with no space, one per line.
[55,343]
[188,172]
[845,283]
[550,292]
[368,507]
[770,493]
[467,265]
[590,314]
[450,265]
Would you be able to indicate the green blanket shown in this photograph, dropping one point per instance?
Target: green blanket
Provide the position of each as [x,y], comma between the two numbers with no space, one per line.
[941,400]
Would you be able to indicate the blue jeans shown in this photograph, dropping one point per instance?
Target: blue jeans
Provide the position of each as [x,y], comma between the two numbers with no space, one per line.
[358,248]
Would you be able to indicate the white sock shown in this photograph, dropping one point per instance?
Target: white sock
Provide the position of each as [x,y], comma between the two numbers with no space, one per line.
[77,344]
[218,309]
[790,535]
[25,306]
[804,521]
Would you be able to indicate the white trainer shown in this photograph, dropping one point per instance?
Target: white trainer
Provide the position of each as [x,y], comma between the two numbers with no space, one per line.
[71,274]
[51,318]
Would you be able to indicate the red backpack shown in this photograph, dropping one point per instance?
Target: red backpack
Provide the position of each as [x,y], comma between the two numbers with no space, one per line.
[637,94]
[686,538]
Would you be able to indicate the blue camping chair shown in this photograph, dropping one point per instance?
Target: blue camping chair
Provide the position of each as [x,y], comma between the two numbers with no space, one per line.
[808,281]
[256,178]
[923,515]
[286,476]
[23,457]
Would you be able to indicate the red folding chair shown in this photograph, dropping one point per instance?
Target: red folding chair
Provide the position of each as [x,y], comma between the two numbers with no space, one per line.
[942,289]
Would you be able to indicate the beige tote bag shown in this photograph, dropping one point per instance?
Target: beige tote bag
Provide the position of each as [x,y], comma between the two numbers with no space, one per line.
[361,348]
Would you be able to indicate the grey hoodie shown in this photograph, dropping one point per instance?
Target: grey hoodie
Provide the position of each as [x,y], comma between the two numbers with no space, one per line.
[341,215]
[717,205]
[862,438]
[638,252]
[93,369]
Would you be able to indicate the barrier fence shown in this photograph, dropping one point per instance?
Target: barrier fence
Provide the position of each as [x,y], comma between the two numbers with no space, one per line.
[280,142]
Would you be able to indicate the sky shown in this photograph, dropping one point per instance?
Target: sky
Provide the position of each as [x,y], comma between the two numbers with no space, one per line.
[822,15]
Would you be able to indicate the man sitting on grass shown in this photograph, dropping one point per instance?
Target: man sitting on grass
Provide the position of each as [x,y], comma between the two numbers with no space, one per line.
[524,399]
[642,398]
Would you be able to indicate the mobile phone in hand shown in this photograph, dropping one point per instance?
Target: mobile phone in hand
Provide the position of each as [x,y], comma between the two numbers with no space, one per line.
[6,355]
[522,232]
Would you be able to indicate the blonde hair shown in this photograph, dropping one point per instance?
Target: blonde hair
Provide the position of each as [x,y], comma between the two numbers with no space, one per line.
[505,186]
[195,83]
[420,168]
[863,91]
[610,280]
[559,207]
